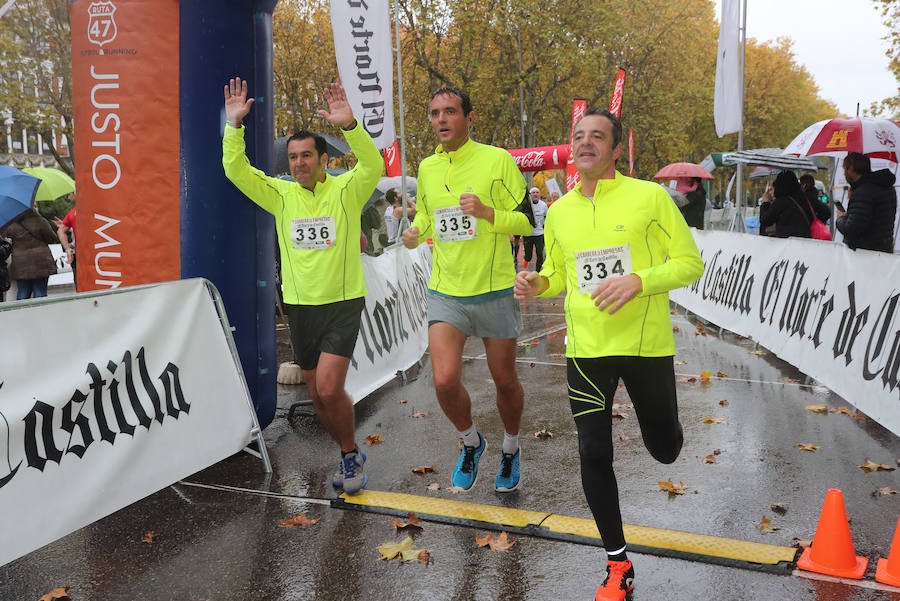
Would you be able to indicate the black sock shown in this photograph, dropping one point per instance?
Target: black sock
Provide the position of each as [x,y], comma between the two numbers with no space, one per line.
[343,454]
[621,556]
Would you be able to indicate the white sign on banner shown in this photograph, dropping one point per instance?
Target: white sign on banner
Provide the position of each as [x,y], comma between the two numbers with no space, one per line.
[393,334]
[832,312]
[107,398]
[727,94]
[364,53]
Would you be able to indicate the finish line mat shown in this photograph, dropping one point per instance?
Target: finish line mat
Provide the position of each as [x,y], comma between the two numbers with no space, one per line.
[651,541]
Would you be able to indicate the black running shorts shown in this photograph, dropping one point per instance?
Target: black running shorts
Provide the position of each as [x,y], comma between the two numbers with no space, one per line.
[332,328]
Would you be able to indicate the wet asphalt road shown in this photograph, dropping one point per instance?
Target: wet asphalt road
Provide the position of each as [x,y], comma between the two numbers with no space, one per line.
[219,545]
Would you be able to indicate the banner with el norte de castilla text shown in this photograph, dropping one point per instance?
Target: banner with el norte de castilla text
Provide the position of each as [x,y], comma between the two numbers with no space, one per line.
[123,404]
[363,49]
[832,312]
[393,332]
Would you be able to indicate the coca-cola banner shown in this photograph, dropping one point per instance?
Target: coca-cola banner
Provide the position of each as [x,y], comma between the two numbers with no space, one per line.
[615,103]
[137,391]
[362,47]
[579,106]
[832,312]
[541,158]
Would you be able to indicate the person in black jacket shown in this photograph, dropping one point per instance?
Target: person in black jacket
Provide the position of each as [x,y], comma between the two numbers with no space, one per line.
[694,210]
[822,209]
[789,212]
[869,220]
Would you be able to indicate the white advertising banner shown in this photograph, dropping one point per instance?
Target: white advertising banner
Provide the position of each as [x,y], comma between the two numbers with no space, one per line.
[393,334]
[727,94]
[832,312]
[364,53]
[106,399]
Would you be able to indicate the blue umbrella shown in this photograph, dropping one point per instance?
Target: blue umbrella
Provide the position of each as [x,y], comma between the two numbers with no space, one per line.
[17,190]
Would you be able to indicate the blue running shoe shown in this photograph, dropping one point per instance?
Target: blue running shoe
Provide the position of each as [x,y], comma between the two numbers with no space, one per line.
[355,477]
[466,471]
[508,476]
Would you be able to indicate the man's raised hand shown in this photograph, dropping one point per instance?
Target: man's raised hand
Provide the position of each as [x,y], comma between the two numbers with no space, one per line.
[339,112]
[236,103]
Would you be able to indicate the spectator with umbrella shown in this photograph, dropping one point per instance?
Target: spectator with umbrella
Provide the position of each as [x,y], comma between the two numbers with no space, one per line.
[869,220]
[689,177]
[788,212]
[29,233]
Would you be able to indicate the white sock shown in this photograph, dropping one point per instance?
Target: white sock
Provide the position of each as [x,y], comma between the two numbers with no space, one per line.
[470,436]
[510,443]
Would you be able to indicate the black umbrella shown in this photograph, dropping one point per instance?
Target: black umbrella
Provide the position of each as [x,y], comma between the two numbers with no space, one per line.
[333,148]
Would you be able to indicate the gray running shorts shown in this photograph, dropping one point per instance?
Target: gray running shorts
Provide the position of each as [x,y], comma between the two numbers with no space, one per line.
[498,318]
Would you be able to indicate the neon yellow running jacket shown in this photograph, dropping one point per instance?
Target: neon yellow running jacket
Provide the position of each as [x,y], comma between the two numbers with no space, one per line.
[482,264]
[624,211]
[333,273]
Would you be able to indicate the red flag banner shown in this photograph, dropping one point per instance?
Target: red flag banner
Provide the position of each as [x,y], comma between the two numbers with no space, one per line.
[630,152]
[579,106]
[392,160]
[615,103]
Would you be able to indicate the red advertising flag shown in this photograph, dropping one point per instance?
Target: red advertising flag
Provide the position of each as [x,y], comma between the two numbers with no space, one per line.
[128,172]
[615,103]
[392,160]
[630,152]
[579,106]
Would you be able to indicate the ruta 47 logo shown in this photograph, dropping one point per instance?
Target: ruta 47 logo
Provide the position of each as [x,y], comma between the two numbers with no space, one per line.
[102,24]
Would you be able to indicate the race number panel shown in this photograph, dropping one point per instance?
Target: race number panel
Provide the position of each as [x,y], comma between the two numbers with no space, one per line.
[313,233]
[453,225]
[597,265]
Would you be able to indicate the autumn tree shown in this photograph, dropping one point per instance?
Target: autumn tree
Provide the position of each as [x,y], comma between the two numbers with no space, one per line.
[36,67]
[890,12]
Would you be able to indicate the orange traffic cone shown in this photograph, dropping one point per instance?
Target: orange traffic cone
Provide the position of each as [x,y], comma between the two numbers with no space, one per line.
[888,570]
[832,550]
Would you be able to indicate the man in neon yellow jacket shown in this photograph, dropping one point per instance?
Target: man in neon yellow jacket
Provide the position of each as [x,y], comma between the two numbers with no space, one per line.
[616,245]
[317,219]
[471,197]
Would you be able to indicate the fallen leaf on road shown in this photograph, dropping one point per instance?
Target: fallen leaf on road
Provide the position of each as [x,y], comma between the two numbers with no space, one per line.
[534,341]
[433,486]
[677,362]
[767,526]
[623,436]
[871,466]
[413,523]
[403,401]
[687,379]
[619,414]
[454,489]
[858,415]
[823,409]
[419,413]
[808,446]
[423,469]
[705,375]
[499,543]
[402,550]
[148,537]
[300,520]
[779,508]
[759,352]
[672,489]
[713,420]
[721,374]
[374,439]
[791,381]
[711,458]
[801,543]
[425,557]
[57,594]
[531,364]
[887,490]
[676,329]
[543,434]
[844,410]
[723,402]
[623,405]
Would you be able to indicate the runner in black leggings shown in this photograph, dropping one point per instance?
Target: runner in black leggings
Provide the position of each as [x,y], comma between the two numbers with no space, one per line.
[650,382]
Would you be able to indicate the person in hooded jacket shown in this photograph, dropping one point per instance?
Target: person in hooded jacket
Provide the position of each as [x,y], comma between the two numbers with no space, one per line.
[789,212]
[869,220]
[32,262]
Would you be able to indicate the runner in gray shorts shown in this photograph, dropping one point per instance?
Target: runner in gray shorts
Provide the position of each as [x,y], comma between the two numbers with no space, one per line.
[497,316]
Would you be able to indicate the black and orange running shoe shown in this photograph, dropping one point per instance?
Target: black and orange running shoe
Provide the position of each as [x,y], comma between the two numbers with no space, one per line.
[618,583]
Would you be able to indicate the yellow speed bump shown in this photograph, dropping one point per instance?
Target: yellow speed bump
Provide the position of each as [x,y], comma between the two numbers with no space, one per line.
[653,541]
